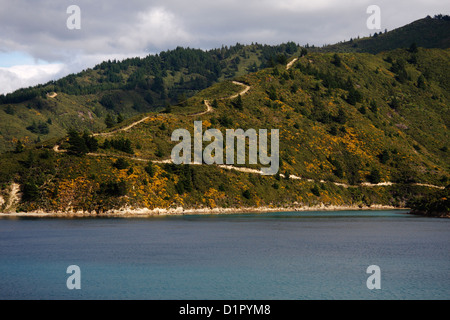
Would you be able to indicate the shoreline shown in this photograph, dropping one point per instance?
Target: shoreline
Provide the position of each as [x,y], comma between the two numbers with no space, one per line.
[180,211]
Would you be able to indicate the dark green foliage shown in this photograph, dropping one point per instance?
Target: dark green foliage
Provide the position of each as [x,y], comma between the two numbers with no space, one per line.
[19,147]
[45,154]
[413,48]
[373,106]
[384,156]
[39,128]
[395,103]
[159,152]
[238,104]
[272,92]
[336,60]
[30,191]
[77,144]
[9,110]
[362,110]
[120,144]
[225,121]
[338,171]
[421,82]
[91,142]
[341,116]
[315,191]
[121,164]
[374,176]
[246,194]
[113,188]
[109,121]
[354,96]
[150,169]
[399,68]
[435,204]
[185,180]
[120,118]
[108,101]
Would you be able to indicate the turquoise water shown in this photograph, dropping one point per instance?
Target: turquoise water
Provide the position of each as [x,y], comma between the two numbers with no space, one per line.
[289,256]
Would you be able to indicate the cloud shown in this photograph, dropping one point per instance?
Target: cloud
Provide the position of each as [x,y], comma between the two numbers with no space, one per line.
[22,76]
[155,28]
[112,29]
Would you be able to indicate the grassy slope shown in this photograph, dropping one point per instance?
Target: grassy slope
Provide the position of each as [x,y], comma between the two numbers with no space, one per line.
[427,33]
[85,112]
[414,134]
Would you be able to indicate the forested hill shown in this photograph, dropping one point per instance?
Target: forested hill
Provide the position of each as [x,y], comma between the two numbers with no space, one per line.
[114,91]
[125,88]
[427,33]
[355,129]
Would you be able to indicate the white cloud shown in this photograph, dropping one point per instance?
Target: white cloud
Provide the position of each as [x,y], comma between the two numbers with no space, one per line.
[27,75]
[157,27]
[116,29]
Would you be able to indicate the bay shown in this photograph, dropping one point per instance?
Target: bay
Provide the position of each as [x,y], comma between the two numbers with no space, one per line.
[266,256]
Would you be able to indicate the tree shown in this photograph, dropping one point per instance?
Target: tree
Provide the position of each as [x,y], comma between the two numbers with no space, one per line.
[238,103]
[384,156]
[77,144]
[120,118]
[354,96]
[341,117]
[421,82]
[336,60]
[9,110]
[315,190]
[374,176]
[150,169]
[121,164]
[19,147]
[30,191]
[272,92]
[91,142]
[413,48]
[109,121]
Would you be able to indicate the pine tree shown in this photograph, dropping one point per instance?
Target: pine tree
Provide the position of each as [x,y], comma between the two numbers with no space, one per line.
[238,103]
[109,121]
[19,147]
[77,144]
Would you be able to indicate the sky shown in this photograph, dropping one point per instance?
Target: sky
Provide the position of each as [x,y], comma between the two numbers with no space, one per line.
[38,42]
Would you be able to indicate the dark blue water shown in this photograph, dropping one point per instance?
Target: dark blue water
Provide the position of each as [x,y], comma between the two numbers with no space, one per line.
[309,255]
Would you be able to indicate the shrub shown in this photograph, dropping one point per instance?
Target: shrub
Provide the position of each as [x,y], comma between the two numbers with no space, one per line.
[121,164]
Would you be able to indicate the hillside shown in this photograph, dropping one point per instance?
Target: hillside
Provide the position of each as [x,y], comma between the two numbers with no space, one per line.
[427,33]
[113,91]
[356,129]
[124,89]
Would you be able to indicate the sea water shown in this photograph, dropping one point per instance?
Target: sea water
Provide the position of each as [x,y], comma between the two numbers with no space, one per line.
[270,256]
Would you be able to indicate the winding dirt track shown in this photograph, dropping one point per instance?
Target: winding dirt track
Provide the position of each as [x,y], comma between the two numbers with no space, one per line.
[105,134]
[290,64]
[209,109]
